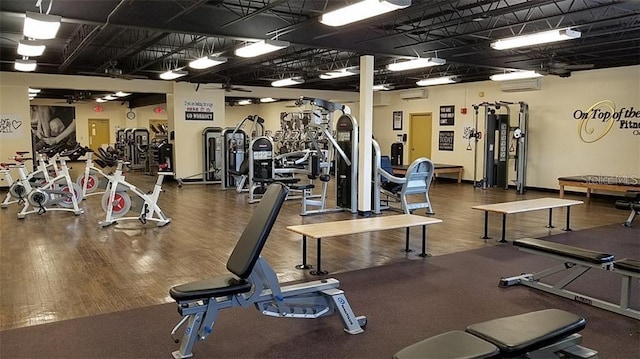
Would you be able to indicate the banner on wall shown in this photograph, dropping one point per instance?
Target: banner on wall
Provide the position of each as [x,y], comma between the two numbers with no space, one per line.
[53,126]
[445,140]
[198,110]
[11,126]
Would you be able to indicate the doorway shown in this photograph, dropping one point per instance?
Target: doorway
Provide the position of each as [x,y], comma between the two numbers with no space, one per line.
[98,133]
[158,129]
[420,127]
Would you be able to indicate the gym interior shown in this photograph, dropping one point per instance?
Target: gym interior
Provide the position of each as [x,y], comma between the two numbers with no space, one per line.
[129,240]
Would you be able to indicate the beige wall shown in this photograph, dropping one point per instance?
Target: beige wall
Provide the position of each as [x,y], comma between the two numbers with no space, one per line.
[555,148]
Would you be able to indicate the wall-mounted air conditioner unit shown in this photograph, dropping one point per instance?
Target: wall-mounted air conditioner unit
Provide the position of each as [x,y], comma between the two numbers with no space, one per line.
[414,94]
[521,85]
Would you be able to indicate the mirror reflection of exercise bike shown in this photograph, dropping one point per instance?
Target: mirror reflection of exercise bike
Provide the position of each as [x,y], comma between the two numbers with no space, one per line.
[117,200]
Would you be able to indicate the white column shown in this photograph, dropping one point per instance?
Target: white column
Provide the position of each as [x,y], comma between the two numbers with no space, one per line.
[365,123]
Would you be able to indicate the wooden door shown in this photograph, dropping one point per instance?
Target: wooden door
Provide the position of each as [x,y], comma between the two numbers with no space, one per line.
[419,136]
[98,133]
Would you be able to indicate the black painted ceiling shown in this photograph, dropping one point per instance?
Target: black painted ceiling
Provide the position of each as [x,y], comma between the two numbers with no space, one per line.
[143,38]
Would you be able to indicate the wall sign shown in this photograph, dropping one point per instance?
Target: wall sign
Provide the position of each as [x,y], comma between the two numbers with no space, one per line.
[11,126]
[198,110]
[445,140]
[595,122]
[447,115]
[397,120]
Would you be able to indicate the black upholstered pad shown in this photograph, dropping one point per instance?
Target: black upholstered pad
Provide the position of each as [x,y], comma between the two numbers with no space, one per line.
[214,287]
[628,264]
[529,331]
[564,250]
[450,345]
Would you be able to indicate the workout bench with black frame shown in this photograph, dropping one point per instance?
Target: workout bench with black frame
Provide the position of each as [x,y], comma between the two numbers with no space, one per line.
[252,281]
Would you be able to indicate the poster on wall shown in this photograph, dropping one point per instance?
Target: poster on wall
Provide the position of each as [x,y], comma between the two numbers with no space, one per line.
[397,120]
[53,127]
[445,141]
[11,126]
[447,115]
[198,110]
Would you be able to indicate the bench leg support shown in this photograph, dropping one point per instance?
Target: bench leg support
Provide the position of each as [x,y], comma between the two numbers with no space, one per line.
[424,253]
[504,228]
[304,264]
[568,228]
[486,226]
[319,270]
[550,224]
[406,245]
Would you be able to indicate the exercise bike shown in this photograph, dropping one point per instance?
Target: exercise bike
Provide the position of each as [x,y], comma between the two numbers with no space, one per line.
[94,177]
[59,191]
[18,190]
[116,201]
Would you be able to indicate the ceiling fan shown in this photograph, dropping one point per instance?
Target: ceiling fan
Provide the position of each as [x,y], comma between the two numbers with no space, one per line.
[112,71]
[563,69]
[228,87]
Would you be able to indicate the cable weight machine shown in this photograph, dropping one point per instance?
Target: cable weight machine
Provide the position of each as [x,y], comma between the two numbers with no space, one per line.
[504,140]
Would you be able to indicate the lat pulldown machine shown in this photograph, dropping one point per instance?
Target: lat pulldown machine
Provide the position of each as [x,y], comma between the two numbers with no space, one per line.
[501,138]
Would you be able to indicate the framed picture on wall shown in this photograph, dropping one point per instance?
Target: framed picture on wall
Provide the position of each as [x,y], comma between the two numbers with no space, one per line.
[397,120]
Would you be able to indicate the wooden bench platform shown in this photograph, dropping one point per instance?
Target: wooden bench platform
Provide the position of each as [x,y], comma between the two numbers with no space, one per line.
[355,226]
[438,169]
[605,183]
[524,206]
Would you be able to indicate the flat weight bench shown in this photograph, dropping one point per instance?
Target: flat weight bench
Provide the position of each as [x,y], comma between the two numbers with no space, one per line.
[605,183]
[632,202]
[543,334]
[576,262]
[252,281]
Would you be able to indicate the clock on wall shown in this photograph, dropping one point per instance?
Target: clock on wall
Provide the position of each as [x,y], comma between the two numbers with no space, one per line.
[131,115]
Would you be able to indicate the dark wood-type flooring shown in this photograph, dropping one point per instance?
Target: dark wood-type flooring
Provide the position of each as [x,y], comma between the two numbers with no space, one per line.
[58,266]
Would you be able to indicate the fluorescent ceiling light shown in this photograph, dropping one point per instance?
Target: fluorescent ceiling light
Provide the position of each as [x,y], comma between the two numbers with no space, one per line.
[536,39]
[436,81]
[338,73]
[41,26]
[416,64]
[25,65]
[173,74]
[122,94]
[206,62]
[34,91]
[267,99]
[109,97]
[517,75]
[101,100]
[260,48]
[30,48]
[362,10]
[288,82]
[383,87]
[245,102]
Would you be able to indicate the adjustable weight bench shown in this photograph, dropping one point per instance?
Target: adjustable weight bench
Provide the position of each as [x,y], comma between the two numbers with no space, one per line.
[252,281]
[549,333]
[576,262]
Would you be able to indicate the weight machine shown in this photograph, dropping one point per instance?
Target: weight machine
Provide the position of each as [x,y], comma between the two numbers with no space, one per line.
[501,138]
[236,151]
[212,158]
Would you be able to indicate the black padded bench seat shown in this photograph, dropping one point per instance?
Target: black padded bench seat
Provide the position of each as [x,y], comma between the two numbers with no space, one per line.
[207,288]
[564,250]
[628,264]
[508,336]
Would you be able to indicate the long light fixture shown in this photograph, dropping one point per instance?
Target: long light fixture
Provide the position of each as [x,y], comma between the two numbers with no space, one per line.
[362,10]
[25,65]
[338,73]
[109,97]
[206,62]
[288,82]
[245,102]
[437,81]
[416,64]
[101,100]
[382,87]
[34,91]
[41,26]
[536,39]
[30,48]
[516,75]
[122,94]
[173,74]
[260,48]
[268,99]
